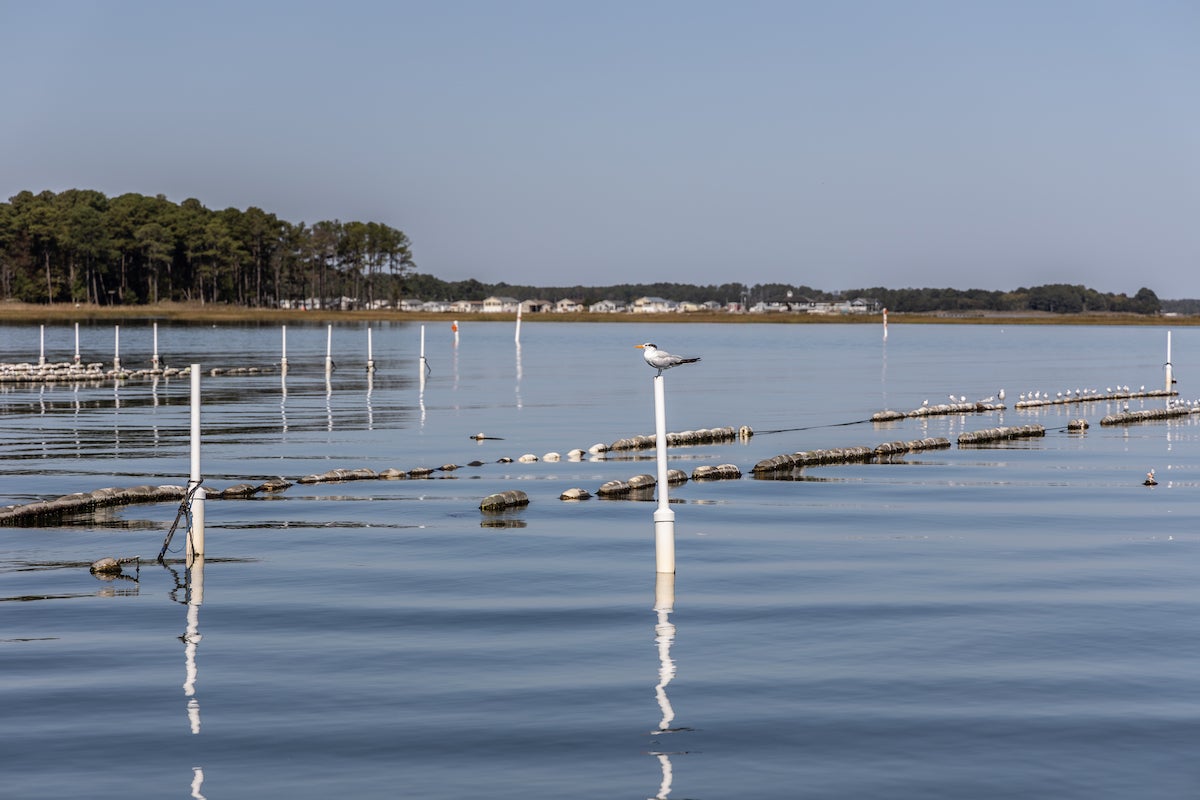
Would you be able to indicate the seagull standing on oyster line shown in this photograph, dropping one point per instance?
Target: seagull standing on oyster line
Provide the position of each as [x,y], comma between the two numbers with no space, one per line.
[661,359]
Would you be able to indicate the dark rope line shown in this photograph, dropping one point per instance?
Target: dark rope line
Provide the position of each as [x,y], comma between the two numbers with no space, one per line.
[814,427]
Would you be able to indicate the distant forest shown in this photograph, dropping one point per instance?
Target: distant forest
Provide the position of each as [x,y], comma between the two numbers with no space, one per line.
[81,246]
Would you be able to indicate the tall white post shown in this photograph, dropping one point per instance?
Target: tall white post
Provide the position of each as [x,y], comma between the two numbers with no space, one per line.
[1170,377]
[517,335]
[76,342]
[421,363]
[454,327]
[117,348]
[885,324]
[370,354]
[329,350]
[195,540]
[283,356]
[154,362]
[664,517]
[42,348]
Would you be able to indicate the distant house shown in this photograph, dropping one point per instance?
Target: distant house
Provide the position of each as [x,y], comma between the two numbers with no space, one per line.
[411,304]
[466,307]
[768,308]
[653,305]
[606,307]
[568,306]
[435,306]
[500,305]
[535,306]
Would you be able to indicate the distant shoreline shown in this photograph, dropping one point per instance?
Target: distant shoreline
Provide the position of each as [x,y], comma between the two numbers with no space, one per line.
[210,313]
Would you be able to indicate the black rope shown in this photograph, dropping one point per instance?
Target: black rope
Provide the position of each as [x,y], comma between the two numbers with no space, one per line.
[185,509]
[814,427]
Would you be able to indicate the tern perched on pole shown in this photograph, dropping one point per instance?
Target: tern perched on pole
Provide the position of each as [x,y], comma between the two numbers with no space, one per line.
[661,359]
[664,517]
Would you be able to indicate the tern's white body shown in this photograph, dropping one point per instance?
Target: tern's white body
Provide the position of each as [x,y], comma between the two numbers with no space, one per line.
[661,359]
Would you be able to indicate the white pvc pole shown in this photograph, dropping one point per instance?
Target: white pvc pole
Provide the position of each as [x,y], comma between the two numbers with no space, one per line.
[517,335]
[370,353]
[42,348]
[664,517]
[454,328]
[117,348]
[885,324]
[421,363]
[329,350]
[283,356]
[1170,377]
[154,362]
[196,539]
[76,342]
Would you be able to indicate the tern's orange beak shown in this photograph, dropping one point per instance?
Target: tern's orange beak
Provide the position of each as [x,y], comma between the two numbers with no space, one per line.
[639,346]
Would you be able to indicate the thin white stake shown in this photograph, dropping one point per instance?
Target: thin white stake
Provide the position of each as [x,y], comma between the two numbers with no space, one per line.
[42,349]
[283,357]
[370,355]
[1170,377]
[154,362]
[329,350]
[76,342]
[664,517]
[195,540]
[454,327]
[117,348]
[517,335]
[421,363]
[885,324]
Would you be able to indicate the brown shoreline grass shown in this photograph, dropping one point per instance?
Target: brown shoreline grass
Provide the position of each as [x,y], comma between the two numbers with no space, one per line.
[215,313]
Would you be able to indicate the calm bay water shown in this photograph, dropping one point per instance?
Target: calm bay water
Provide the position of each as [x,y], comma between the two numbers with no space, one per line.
[1009,621]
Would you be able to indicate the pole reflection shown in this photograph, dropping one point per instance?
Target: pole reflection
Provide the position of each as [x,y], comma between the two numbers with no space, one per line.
[191,638]
[664,637]
[519,404]
[194,586]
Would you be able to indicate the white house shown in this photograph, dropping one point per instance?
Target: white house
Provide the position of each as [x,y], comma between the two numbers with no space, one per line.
[568,306]
[653,305]
[411,304]
[435,306]
[606,307]
[500,305]
[466,307]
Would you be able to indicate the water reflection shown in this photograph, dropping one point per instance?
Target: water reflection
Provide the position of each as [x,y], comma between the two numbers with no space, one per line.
[283,398]
[328,403]
[370,409]
[664,637]
[197,783]
[194,586]
[518,374]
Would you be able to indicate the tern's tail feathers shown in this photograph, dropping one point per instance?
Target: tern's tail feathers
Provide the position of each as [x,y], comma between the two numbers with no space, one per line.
[689,360]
